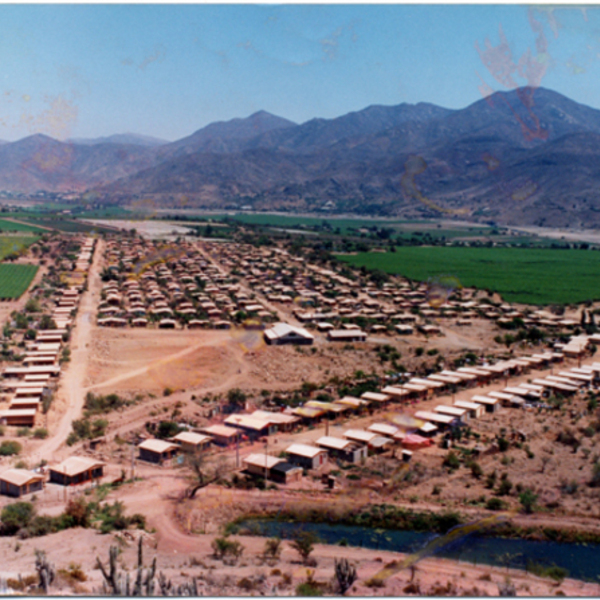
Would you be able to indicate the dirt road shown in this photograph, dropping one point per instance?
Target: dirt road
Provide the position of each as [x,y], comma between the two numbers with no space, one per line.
[73,377]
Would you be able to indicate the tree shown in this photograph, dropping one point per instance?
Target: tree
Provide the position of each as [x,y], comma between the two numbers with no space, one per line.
[202,473]
[236,398]
[272,548]
[303,543]
[345,573]
[528,499]
[16,516]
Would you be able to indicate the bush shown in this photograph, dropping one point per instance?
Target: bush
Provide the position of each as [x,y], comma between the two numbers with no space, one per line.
[41,433]
[495,504]
[451,461]
[303,543]
[16,516]
[476,470]
[528,499]
[10,448]
[224,547]
[23,432]
[308,589]
[505,487]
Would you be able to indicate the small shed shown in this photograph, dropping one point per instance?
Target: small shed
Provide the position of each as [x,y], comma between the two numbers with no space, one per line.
[286,472]
[157,451]
[18,482]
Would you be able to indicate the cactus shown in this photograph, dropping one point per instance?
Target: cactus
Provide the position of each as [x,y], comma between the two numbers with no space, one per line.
[116,584]
[345,574]
[45,570]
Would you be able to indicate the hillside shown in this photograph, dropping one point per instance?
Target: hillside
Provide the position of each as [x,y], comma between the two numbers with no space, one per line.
[527,156]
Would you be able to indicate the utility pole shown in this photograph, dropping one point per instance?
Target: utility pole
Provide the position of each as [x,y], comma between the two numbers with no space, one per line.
[266,460]
[132,461]
[237,447]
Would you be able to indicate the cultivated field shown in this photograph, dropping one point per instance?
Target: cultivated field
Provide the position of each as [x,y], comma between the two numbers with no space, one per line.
[7,225]
[15,279]
[524,275]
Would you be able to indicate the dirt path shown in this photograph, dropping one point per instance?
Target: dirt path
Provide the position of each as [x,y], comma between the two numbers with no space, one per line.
[73,377]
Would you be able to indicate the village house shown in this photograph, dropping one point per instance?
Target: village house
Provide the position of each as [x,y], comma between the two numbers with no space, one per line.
[75,470]
[306,456]
[157,451]
[18,482]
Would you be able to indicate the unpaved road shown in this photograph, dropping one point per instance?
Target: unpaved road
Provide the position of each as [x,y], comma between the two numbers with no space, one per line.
[73,377]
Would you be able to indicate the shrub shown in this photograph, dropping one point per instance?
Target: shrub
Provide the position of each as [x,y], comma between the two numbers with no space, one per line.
[16,516]
[10,448]
[308,589]
[272,548]
[451,461]
[505,487]
[303,543]
[41,433]
[528,499]
[223,547]
[476,470]
[495,504]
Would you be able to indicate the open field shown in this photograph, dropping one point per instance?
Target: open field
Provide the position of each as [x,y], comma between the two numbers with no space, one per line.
[14,243]
[529,276]
[15,279]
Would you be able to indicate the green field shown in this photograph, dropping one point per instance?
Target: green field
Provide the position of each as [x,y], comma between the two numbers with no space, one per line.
[12,226]
[525,275]
[14,244]
[15,279]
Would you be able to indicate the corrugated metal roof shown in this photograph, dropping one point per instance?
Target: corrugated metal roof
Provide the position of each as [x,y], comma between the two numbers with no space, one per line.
[20,477]
[158,446]
[304,450]
[333,442]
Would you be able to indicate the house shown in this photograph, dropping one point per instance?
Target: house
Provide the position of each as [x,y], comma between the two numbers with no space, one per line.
[345,450]
[279,420]
[75,470]
[282,333]
[251,426]
[383,429]
[461,414]
[475,410]
[260,464]
[306,456]
[18,482]
[346,335]
[441,421]
[270,467]
[221,434]
[190,441]
[491,404]
[19,417]
[157,451]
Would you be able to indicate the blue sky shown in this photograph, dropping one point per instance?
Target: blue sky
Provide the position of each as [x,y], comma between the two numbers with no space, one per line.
[168,70]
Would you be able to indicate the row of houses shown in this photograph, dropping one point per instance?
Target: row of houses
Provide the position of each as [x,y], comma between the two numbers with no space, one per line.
[74,470]
[28,384]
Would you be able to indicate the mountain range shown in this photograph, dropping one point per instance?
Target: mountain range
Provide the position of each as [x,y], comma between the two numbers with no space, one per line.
[529,156]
